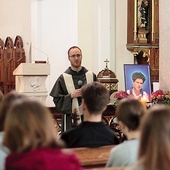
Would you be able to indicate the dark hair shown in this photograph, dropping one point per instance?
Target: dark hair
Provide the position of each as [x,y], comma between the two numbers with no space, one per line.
[30,125]
[7,101]
[73,48]
[154,149]
[130,112]
[95,96]
[138,75]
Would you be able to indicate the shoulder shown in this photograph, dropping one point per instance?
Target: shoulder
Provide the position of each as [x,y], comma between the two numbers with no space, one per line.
[72,132]
[68,71]
[124,154]
[126,145]
[59,81]
[64,158]
[86,70]
[68,159]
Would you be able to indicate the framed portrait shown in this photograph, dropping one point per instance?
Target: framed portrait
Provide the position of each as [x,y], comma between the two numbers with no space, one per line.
[137,76]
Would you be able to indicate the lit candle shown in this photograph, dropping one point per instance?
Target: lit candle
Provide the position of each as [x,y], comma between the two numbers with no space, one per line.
[143,101]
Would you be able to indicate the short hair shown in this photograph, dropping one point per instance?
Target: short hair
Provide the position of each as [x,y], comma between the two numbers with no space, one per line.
[95,96]
[130,111]
[6,103]
[138,75]
[73,48]
[30,125]
[154,149]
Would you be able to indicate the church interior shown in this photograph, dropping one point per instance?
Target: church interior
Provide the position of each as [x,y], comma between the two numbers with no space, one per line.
[35,37]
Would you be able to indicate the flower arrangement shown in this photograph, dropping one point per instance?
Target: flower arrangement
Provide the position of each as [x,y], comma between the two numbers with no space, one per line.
[160,96]
[117,96]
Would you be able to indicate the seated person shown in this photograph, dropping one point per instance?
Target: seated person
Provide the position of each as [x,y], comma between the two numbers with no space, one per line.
[136,91]
[92,132]
[154,147]
[6,102]
[31,137]
[129,113]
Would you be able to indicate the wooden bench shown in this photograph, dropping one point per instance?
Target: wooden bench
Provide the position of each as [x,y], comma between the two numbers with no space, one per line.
[92,157]
[110,168]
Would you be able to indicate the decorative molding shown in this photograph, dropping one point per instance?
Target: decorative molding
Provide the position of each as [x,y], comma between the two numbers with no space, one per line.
[35,83]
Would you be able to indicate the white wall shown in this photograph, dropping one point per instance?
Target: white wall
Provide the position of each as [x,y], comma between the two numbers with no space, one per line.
[123,56]
[102,33]
[97,26]
[15,19]
[54,31]
[95,33]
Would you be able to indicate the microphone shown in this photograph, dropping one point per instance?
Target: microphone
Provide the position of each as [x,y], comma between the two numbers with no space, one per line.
[30,53]
[80,83]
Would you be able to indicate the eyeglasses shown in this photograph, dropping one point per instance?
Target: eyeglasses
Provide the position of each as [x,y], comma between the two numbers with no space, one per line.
[75,55]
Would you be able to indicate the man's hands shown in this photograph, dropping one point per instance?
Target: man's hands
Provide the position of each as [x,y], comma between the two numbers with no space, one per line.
[76,93]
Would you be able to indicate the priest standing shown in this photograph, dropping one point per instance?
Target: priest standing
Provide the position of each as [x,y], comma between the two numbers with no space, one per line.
[66,91]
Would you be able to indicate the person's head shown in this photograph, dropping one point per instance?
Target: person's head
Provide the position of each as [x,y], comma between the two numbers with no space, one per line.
[154,150]
[7,101]
[129,113]
[75,57]
[95,97]
[29,125]
[138,79]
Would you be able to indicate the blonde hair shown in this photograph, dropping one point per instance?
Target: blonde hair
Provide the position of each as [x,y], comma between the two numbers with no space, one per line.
[29,124]
[154,150]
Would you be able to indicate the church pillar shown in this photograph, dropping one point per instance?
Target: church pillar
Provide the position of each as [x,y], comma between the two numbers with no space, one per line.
[164,45]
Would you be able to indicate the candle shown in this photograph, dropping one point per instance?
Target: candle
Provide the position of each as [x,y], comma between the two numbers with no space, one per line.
[143,101]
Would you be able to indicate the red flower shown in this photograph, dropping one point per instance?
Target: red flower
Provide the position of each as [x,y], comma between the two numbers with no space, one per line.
[117,96]
[121,95]
[160,96]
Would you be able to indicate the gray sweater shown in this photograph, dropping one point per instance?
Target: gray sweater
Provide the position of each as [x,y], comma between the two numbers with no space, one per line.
[124,154]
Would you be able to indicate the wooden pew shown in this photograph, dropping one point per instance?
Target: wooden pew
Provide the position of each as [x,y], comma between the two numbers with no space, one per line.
[110,168]
[92,157]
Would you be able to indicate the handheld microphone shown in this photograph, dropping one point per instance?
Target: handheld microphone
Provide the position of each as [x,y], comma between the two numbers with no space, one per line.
[80,83]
